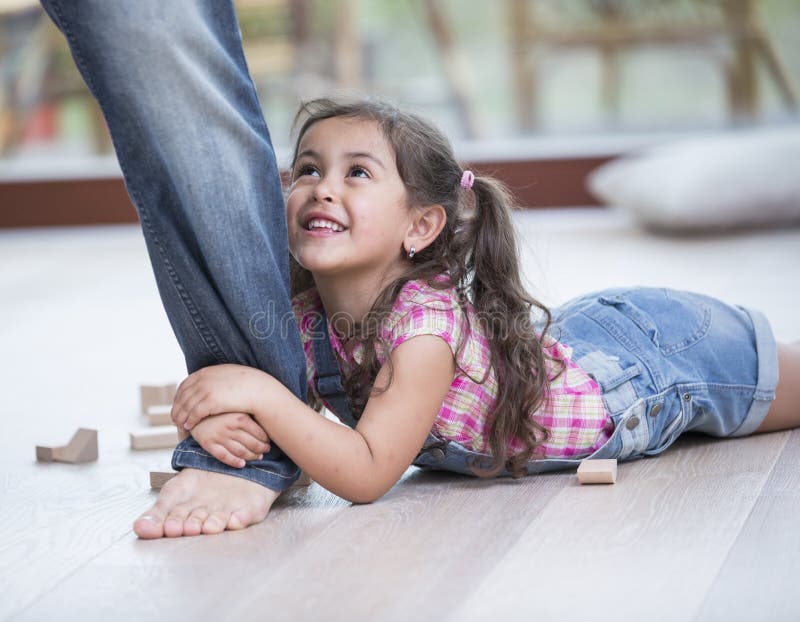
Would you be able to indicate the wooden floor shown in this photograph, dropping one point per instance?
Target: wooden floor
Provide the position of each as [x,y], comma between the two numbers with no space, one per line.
[707,531]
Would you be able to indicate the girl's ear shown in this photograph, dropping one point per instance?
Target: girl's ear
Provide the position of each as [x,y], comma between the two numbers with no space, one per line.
[425,226]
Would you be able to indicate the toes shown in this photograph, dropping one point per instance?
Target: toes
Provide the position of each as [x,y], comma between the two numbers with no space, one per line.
[174,523]
[216,522]
[193,526]
[240,519]
[150,524]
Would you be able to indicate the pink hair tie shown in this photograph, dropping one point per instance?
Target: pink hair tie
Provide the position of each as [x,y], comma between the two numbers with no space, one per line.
[467,179]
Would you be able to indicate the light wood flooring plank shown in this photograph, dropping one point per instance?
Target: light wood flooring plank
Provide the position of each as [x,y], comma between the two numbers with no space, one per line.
[186,578]
[651,543]
[759,579]
[413,557]
[416,552]
[55,518]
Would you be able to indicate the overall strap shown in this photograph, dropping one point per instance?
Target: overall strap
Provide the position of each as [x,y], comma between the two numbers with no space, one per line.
[329,379]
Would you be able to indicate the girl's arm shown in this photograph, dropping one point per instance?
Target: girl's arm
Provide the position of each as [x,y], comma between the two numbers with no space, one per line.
[359,465]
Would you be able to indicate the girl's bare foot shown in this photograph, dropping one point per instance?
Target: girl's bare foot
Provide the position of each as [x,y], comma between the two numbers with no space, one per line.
[198,502]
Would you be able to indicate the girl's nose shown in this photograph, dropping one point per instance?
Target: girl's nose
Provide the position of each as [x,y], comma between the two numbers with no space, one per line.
[323,191]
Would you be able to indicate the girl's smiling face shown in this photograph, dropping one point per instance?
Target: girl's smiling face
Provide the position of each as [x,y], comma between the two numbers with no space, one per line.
[347,210]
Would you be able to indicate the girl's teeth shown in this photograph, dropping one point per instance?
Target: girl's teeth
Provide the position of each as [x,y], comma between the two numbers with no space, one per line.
[324,224]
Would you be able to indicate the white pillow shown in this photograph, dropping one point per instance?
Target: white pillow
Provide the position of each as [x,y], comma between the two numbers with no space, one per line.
[744,178]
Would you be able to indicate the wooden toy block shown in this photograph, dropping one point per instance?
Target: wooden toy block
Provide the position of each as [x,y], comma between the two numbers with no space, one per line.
[82,447]
[156,395]
[159,415]
[597,472]
[45,454]
[159,478]
[159,437]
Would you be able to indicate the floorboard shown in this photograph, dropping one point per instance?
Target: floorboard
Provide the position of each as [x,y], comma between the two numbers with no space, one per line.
[653,542]
[761,571]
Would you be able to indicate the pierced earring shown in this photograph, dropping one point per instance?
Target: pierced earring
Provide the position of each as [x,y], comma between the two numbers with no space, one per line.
[412,252]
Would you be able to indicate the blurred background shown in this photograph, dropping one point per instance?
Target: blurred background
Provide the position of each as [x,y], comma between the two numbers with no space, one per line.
[482,70]
[506,79]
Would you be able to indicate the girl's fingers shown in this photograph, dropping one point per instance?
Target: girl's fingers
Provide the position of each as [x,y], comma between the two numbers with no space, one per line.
[183,397]
[254,430]
[180,414]
[177,413]
[239,450]
[221,453]
[189,393]
[197,410]
[251,442]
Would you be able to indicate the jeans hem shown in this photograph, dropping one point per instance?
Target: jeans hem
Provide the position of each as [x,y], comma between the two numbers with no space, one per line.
[767,349]
[199,459]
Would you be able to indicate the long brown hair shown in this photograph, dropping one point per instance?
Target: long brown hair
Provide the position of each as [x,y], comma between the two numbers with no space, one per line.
[477,250]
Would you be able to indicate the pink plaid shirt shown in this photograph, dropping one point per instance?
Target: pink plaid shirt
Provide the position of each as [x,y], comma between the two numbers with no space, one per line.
[574,413]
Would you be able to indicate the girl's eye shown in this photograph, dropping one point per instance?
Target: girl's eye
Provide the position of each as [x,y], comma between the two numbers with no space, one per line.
[359,171]
[306,169]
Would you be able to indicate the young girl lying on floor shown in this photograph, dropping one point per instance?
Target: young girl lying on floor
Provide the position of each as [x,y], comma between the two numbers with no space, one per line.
[407,268]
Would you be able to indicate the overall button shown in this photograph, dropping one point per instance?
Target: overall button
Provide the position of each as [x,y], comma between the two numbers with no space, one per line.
[437,453]
[656,408]
[632,423]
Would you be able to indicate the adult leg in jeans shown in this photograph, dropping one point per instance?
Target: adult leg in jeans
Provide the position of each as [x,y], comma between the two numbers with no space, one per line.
[199,166]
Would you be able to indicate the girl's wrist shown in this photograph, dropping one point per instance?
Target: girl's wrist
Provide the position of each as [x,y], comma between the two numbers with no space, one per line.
[267,398]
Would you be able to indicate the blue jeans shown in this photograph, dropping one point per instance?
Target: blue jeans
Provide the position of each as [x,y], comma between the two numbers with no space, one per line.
[199,166]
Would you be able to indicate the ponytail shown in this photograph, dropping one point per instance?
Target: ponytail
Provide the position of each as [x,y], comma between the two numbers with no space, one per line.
[504,310]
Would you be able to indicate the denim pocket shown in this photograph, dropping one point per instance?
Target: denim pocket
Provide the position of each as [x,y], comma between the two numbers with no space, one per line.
[614,380]
[673,320]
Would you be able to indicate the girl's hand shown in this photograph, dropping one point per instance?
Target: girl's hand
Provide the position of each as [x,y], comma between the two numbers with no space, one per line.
[232,438]
[215,390]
